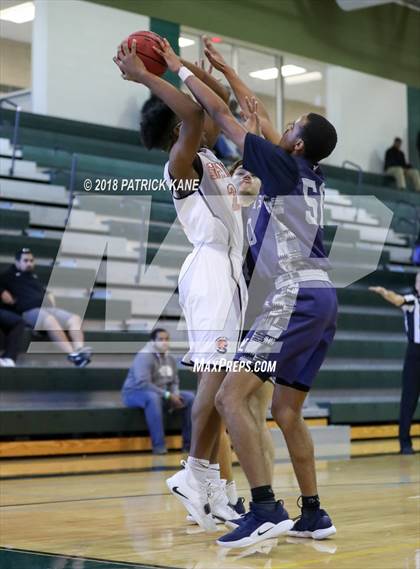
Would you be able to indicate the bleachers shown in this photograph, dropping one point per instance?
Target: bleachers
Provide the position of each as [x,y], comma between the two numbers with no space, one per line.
[359,382]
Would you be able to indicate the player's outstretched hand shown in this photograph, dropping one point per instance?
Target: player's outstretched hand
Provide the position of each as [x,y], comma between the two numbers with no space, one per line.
[165,50]
[202,65]
[251,118]
[131,66]
[215,57]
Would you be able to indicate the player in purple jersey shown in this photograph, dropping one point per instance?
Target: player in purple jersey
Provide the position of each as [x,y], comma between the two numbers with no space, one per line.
[297,322]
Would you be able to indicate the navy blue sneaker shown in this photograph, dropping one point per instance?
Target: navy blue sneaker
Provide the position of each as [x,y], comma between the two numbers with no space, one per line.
[260,523]
[316,524]
[239,508]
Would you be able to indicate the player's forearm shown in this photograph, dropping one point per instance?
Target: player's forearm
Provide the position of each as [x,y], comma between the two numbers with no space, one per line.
[208,79]
[242,91]
[217,110]
[182,105]
[212,103]
[392,297]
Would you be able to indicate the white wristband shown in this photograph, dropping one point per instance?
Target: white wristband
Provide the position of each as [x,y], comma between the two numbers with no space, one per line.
[184,73]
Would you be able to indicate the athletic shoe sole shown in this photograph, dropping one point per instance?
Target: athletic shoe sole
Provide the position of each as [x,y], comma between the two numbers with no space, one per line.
[192,521]
[203,520]
[317,534]
[275,531]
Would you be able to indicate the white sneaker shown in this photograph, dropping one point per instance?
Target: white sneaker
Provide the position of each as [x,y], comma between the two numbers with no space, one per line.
[7,362]
[219,502]
[193,496]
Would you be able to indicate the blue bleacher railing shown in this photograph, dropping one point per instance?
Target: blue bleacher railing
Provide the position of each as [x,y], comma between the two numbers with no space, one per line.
[73,169]
[15,133]
[359,169]
[141,261]
[8,99]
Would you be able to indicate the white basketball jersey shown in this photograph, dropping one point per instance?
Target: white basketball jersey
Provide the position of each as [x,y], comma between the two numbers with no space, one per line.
[212,214]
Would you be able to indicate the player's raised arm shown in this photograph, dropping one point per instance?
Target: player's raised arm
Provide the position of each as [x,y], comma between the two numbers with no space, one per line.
[216,108]
[389,295]
[241,91]
[211,129]
[190,114]
[207,78]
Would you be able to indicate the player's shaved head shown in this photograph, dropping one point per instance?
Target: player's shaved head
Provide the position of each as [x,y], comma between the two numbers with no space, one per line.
[157,124]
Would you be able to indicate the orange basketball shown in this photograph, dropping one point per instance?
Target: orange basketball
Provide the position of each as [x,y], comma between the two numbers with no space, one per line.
[144,49]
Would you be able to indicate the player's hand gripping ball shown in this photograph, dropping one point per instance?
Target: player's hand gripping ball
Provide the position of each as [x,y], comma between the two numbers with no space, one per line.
[145,41]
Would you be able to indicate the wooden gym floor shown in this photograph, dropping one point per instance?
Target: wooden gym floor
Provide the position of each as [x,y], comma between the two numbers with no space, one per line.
[107,521]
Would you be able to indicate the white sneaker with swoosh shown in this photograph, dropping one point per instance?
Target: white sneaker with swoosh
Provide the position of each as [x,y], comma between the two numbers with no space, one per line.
[193,496]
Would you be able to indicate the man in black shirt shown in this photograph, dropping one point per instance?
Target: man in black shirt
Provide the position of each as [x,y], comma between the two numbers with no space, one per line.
[397,167]
[22,292]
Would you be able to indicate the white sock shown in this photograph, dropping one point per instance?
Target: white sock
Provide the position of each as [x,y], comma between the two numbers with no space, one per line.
[213,472]
[231,492]
[199,468]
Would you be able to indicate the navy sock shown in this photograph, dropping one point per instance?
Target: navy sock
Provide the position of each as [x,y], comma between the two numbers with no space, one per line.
[310,503]
[262,494]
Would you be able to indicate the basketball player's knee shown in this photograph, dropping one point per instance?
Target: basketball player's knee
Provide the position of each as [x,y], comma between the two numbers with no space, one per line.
[285,417]
[224,401]
[219,401]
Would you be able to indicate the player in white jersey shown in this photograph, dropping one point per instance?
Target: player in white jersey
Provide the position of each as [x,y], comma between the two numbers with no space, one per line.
[212,288]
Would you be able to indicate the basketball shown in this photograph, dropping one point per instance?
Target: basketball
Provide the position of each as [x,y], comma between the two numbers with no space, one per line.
[144,49]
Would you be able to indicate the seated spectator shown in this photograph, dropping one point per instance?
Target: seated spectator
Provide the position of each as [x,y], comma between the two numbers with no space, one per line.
[11,327]
[153,385]
[396,166]
[22,291]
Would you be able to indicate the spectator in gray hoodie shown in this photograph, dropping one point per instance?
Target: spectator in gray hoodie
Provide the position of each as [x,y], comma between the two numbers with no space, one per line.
[153,385]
